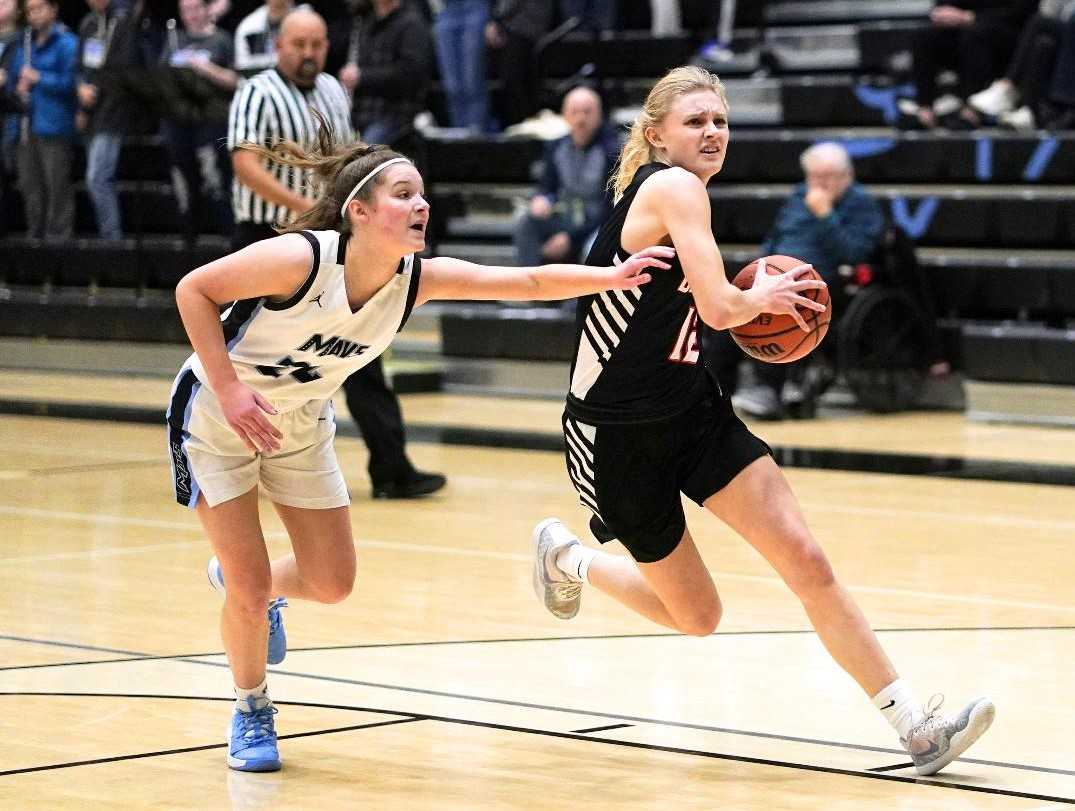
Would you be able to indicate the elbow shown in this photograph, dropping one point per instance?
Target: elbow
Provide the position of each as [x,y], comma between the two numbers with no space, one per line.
[716,317]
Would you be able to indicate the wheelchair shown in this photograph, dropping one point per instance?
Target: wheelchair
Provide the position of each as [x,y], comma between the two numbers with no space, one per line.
[886,337]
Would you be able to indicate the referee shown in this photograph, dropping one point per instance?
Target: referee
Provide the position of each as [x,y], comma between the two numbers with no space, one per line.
[275,105]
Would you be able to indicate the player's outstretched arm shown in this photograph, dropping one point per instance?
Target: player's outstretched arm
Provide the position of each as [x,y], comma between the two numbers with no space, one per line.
[447,278]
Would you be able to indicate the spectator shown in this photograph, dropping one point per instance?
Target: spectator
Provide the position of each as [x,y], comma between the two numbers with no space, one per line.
[390,80]
[9,37]
[514,30]
[267,194]
[1062,86]
[460,33]
[42,74]
[828,221]
[666,18]
[104,114]
[976,38]
[200,173]
[573,199]
[256,35]
[1025,83]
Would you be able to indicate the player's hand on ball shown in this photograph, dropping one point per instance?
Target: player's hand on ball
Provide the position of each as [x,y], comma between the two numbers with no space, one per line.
[781,293]
[245,411]
[630,274]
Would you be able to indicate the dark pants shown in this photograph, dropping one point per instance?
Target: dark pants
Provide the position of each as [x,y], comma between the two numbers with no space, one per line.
[978,53]
[518,71]
[201,175]
[44,168]
[1062,88]
[373,405]
[1032,64]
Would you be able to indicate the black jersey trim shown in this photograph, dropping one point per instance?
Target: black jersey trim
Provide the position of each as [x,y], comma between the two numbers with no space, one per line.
[241,314]
[300,294]
[412,291]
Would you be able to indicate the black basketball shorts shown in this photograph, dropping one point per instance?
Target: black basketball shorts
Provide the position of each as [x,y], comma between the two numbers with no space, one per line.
[631,476]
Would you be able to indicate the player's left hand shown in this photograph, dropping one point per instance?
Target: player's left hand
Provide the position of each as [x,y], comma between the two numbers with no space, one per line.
[629,274]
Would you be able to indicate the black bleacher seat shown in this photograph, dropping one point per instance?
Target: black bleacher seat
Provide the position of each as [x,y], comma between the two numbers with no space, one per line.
[1019,353]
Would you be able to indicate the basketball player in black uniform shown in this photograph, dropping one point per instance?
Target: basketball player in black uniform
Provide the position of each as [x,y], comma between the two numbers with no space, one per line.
[644,423]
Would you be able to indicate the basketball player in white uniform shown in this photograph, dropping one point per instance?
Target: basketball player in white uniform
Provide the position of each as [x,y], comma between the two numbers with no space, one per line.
[252,404]
[642,418]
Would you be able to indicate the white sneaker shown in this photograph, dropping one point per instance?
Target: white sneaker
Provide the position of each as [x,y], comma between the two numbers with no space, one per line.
[937,740]
[1021,119]
[999,97]
[556,591]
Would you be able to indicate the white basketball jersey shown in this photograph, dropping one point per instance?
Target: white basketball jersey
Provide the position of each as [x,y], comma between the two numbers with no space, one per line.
[304,348]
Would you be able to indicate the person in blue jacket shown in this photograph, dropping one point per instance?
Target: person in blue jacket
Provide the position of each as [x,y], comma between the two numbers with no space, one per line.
[828,221]
[573,199]
[42,75]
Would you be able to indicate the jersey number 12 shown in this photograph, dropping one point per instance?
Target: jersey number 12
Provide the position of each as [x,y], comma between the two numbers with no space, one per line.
[686,348]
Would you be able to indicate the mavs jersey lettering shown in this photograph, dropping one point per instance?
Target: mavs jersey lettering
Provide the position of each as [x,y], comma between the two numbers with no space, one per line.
[304,348]
[637,350]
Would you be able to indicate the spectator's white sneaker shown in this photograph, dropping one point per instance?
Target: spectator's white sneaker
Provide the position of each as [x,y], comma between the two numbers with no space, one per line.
[1021,120]
[937,740]
[999,97]
[556,591]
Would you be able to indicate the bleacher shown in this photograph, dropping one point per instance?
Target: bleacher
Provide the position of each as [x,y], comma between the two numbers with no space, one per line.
[993,213]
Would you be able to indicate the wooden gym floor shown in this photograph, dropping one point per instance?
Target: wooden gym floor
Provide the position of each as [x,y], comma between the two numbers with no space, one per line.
[442,684]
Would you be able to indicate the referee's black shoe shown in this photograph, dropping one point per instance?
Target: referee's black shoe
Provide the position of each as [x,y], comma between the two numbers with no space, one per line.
[417,484]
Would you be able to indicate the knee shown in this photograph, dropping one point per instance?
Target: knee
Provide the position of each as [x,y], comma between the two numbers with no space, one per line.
[335,586]
[702,620]
[249,595]
[809,569]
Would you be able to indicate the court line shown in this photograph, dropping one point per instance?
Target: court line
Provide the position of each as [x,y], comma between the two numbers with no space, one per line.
[783,764]
[136,656]
[368,543]
[602,729]
[202,748]
[192,659]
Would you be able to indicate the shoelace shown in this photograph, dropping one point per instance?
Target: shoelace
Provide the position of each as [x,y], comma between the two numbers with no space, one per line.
[933,716]
[274,614]
[257,727]
[567,590]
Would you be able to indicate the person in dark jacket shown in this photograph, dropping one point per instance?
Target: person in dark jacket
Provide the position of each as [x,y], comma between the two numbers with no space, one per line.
[828,221]
[9,37]
[573,199]
[513,31]
[42,75]
[388,68]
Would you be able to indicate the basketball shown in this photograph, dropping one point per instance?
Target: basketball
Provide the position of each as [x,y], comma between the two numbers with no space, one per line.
[777,338]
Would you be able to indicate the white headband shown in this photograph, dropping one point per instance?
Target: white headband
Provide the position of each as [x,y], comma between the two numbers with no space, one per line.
[363,181]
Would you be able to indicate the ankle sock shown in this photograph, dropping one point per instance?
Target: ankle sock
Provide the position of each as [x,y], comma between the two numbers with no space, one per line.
[898,706]
[574,561]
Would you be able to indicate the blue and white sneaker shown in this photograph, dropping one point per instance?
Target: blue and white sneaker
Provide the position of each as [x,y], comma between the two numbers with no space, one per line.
[252,739]
[277,636]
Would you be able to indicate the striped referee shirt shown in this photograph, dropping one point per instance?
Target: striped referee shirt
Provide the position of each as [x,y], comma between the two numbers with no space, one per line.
[269,108]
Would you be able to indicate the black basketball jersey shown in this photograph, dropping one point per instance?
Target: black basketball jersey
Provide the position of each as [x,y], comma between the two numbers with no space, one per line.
[636,357]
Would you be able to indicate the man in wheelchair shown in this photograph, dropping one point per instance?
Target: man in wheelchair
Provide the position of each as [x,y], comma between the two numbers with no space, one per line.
[829,221]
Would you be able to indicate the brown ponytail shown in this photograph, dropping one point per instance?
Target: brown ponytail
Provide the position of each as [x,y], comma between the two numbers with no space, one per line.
[335,168]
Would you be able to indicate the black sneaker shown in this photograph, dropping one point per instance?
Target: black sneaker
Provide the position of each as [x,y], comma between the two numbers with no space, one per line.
[419,483]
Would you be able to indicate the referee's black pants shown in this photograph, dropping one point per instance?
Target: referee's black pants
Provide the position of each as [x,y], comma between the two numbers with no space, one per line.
[373,405]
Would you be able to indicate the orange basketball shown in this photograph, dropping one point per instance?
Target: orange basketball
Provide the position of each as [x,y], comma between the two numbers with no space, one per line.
[777,338]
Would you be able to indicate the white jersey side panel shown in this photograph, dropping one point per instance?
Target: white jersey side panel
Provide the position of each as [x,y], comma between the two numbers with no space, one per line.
[304,348]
